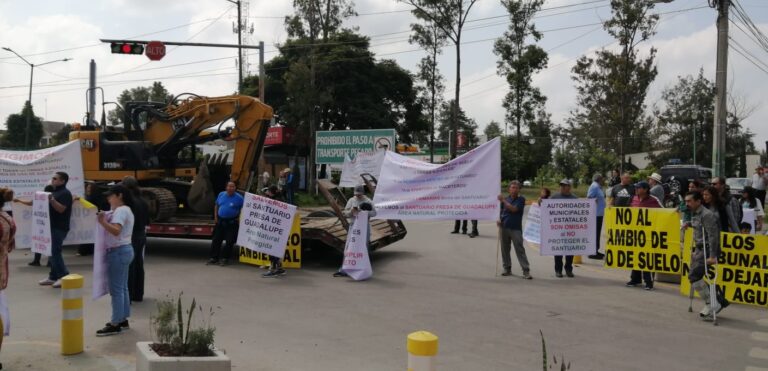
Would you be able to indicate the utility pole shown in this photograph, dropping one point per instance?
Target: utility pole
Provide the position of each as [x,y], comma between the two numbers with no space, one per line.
[239,43]
[721,76]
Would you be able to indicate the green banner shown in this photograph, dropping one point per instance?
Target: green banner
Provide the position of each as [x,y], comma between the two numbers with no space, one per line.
[331,146]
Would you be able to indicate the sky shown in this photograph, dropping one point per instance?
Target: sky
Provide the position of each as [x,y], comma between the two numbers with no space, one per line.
[49,30]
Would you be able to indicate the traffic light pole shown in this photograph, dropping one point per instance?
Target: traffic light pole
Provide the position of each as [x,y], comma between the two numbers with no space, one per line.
[260,47]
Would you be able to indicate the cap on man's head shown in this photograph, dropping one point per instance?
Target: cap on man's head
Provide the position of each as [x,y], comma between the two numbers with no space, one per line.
[116,189]
[359,190]
[642,185]
[656,177]
[565,182]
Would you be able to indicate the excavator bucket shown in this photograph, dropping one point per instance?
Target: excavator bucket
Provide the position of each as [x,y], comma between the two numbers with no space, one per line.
[201,197]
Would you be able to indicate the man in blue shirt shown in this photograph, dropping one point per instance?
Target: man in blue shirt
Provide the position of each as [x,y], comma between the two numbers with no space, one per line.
[225,215]
[596,191]
[511,223]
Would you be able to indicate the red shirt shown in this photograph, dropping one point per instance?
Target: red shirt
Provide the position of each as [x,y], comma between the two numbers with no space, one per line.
[649,201]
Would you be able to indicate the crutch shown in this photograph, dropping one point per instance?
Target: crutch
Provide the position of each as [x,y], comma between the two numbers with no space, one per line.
[713,283]
[690,290]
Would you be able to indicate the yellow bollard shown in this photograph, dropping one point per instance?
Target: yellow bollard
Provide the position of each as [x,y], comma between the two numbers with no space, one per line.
[577,259]
[72,309]
[422,349]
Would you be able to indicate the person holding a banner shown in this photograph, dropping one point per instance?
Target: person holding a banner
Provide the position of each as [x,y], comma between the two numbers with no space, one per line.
[353,207]
[511,224]
[225,215]
[60,211]
[565,193]
[643,198]
[119,227]
[750,201]
[706,234]
[596,191]
[275,262]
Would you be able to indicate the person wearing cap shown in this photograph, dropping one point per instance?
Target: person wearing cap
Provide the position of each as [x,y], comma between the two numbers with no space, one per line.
[565,193]
[225,214]
[622,193]
[119,227]
[657,190]
[359,202]
[759,182]
[643,198]
[60,211]
[596,192]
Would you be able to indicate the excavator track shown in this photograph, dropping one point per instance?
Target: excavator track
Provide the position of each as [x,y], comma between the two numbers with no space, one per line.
[161,202]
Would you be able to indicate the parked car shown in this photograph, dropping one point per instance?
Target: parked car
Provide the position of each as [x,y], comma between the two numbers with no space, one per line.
[527,183]
[678,176]
[736,185]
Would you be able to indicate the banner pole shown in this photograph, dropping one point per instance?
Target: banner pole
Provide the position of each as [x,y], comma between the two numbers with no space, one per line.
[498,247]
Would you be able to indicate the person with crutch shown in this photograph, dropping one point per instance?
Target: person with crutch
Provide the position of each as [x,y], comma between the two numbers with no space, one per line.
[706,249]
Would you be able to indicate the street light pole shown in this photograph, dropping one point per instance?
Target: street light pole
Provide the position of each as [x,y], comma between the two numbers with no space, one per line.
[29,100]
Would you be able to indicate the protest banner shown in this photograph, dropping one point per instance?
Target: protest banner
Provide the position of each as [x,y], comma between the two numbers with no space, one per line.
[532,229]
[265,225]
[742,268]
[749,218]
[27,172]
[464,188]
[292,257]
[568,227]
[100,265]
[41,224]
[357,263]
[645,239]
[362,163]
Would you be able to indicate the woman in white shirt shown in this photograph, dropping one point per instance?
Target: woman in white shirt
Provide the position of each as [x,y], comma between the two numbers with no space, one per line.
[749,201]
[119,226]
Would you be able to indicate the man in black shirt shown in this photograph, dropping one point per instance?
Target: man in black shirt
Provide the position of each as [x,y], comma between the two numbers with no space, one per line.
[622,193]
[60,211]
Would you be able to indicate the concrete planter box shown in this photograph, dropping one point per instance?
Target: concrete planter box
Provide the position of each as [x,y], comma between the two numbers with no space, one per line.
[148,360]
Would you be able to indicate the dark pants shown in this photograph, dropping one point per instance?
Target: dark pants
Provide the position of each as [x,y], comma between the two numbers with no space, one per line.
[760,195]
[85,249]
[463,225]
[136,269]
[289,195]
[559,263]
[597,238]
[226,230]
[58,268]
[275,263]
[647,277]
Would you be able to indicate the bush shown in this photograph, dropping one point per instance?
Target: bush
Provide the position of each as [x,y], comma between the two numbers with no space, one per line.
[175,337]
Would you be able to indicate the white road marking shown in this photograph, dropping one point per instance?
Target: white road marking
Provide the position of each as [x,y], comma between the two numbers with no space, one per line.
[760,336]
[758,353]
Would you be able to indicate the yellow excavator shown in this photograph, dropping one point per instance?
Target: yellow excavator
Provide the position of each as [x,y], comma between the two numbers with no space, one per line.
[156,146]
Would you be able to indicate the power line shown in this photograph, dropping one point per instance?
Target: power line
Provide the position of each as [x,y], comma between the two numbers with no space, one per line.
[734,48]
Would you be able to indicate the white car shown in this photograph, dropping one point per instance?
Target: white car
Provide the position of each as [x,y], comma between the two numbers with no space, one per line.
[527,183]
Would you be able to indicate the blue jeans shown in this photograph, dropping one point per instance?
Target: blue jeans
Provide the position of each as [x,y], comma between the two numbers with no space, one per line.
[58,269]
[118,260]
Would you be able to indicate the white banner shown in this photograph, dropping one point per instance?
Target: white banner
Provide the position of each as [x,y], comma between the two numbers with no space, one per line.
[100,264]
[80,225]
[363,163]
[532,229]
[357,263]
[27,172]
[568,226]
[41,224]
[749,217]
[464,188]
[265,225]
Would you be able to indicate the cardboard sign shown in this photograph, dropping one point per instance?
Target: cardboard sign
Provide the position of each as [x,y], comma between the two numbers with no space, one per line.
[645,239]
[265,225]
[41,224]
[357,263]
[532,228]
[100,265]
[464,188]
[568,226]
[292,257]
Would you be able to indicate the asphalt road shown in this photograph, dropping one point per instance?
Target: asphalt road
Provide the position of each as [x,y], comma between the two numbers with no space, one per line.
[432,280]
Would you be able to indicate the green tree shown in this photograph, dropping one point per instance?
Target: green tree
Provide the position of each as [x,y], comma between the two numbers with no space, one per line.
[612,86]
[15,130]
[153,93]
[449,16]
[492,130]
[428,36]
[62,136]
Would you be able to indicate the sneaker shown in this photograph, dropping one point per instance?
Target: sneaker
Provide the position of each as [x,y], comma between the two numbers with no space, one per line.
[109,330]
[57,284]
[706,312]
[648,287]
[473,235]
[123,325]
[506,273]
[212,262]
[340,274]
[569,274]
[527,276]
[559,274]
[280,272]
[633,284]
[270,274]
[455,232]
[46,282]
[598,256]
[463,232]
[223,262]
[33,264]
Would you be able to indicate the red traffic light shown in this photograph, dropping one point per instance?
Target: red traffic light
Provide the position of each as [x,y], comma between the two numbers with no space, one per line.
[127,48]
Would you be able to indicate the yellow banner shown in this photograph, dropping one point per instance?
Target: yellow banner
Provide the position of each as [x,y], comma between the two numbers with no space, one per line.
[742,268]
[643,239]
[292,257]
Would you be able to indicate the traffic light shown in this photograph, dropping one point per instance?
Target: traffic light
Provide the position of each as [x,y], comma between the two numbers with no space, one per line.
[127,48]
